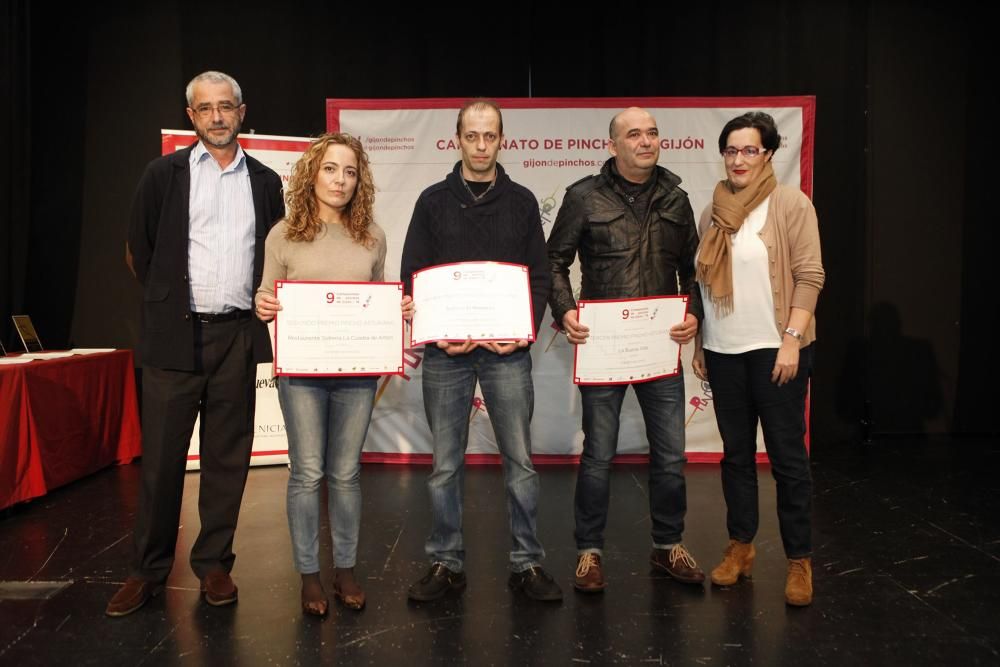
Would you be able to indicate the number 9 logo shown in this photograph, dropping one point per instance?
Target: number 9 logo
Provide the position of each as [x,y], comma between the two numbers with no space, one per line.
[624,313]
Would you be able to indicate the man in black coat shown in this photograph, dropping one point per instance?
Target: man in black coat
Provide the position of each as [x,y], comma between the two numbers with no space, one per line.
[196,243]
[479,214]
[633,230]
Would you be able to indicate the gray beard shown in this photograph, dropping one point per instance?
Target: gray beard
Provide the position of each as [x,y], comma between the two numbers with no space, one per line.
[216,143]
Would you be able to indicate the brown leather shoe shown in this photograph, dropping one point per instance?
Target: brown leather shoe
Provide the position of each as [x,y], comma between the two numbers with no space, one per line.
[678,563]
[132,595]
[737,560]
[799,584]
[589,576]
[218,588]
[346,589]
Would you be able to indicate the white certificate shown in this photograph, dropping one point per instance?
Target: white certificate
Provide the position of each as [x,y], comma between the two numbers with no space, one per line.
[479,300]
[338,328]
[629,340]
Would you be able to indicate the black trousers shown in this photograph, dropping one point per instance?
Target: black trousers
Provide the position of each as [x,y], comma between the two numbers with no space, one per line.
[222,389]
[743,393]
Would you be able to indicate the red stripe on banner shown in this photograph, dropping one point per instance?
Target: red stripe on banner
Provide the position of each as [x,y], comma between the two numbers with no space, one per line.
[808,145]
[175,140]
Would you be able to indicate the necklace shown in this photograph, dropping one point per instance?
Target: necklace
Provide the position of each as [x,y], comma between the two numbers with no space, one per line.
[474,196]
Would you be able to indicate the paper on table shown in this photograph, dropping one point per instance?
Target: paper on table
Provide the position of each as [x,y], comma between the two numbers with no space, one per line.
[48,355]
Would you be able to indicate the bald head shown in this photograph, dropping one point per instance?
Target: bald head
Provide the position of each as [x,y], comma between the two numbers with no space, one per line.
[633,116]
[635,144]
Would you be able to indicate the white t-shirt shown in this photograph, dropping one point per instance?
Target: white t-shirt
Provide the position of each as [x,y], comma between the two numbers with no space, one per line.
[750,325]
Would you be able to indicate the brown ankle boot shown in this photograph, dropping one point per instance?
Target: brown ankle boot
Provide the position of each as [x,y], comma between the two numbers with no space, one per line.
[736,560]
[799,584]
[346,589]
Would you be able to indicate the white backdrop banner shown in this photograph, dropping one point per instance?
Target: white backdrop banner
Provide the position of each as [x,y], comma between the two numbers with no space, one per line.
[549,144]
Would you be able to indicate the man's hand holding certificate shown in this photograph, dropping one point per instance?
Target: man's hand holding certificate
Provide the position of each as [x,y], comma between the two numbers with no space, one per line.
[629,340]
[477,301]
[331,328]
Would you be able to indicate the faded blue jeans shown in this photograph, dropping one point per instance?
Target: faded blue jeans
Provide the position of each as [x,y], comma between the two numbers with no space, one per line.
[326,420]
[662,404]
[449,385]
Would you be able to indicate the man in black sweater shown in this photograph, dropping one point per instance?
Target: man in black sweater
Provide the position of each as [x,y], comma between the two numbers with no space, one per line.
[478,214]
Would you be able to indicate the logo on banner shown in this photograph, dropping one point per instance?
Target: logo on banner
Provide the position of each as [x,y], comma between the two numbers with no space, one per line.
[699,403]
[545,207]
[412,356]
[478,405]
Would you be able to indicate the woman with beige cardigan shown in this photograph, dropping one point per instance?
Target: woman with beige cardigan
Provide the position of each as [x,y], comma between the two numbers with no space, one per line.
[760,273]
[329,234]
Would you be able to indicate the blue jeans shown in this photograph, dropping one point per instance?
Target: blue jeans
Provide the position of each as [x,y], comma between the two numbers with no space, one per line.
[449,384]
[326,420]
[743,394]
[662,404]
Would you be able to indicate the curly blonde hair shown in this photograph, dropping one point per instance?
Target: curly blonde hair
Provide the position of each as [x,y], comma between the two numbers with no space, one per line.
[302,215]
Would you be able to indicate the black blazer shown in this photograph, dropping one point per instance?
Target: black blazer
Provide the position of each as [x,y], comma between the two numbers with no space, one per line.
[158,241]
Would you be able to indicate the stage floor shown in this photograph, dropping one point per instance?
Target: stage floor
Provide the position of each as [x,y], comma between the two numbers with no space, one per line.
[907,571]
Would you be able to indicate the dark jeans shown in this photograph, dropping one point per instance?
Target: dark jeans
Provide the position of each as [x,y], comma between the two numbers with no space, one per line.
[222,390]
[743,393]
[662,404]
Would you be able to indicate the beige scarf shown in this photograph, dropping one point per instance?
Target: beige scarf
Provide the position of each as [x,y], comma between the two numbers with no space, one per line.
[729,210]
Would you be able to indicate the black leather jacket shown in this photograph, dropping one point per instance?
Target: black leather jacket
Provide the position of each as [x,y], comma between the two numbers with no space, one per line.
[622,256]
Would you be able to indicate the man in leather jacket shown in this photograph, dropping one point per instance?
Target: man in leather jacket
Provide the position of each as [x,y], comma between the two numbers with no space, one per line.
[634,231]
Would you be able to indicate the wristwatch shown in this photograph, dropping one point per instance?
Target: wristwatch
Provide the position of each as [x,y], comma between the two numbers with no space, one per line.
[794,333]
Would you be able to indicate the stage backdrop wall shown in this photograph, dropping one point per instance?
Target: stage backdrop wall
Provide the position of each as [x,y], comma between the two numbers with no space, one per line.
[549,143]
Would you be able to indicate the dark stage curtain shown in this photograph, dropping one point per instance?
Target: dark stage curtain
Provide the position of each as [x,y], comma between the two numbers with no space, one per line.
[899,182]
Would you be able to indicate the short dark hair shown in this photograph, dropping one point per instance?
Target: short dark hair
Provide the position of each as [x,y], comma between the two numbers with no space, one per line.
[478,103]
[758,120]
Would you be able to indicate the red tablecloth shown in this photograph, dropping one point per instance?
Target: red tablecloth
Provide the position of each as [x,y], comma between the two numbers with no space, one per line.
[62,419]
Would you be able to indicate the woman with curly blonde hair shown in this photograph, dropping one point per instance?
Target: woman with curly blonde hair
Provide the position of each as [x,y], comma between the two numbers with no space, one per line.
[329,234]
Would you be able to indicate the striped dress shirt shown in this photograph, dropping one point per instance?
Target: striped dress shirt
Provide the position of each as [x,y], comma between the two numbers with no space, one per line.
[221,235]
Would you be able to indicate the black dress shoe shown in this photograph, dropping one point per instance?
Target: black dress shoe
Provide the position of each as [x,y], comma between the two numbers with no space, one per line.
[436,583]
[536,583]
[135,593]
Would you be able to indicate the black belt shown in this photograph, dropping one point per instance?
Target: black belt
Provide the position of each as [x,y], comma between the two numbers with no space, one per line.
[214,318]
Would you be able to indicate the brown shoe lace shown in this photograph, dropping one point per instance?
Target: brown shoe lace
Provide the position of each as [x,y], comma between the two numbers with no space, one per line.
[679,553]
[587,561]
[797,568]
[730,549]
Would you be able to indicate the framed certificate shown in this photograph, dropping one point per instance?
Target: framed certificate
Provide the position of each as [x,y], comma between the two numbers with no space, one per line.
[629,340]
[338,328]
[484,301]
[26,330]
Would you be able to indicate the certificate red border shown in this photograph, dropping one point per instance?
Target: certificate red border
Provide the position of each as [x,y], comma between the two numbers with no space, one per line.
[531,304]
[402,331]
[576,348]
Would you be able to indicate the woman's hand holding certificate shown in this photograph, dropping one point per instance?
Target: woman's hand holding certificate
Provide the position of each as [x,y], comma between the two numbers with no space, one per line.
[337,328]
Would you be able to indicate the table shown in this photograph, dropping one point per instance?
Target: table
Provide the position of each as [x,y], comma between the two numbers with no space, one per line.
[63,419]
